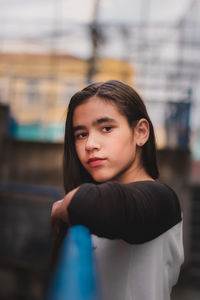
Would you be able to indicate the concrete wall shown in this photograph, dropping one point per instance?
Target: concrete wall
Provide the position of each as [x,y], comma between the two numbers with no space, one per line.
[175,171]
[32,162]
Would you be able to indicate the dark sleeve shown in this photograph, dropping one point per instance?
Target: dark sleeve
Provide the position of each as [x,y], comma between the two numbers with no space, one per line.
[135,212]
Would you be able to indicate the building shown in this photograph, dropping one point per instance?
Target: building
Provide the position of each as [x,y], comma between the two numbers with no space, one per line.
[38,88]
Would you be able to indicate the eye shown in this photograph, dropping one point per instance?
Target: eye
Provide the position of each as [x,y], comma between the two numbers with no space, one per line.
[107,128]
[80,136]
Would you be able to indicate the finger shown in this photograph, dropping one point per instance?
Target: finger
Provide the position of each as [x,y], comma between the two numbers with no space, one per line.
[55,224]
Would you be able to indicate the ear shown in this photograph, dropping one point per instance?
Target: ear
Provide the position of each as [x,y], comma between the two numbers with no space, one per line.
[141,132]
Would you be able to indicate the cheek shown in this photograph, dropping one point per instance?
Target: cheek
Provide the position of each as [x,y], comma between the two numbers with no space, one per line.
[77,148]
[79,151]
[124,149]
[121,143]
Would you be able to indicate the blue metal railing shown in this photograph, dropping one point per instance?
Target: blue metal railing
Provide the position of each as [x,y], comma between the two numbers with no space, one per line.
[75,277]
[33,189]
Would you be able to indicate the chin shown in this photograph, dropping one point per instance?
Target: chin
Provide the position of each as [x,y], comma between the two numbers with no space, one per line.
[101,178]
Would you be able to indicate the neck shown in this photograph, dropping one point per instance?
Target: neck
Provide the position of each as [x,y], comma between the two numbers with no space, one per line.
[136,174]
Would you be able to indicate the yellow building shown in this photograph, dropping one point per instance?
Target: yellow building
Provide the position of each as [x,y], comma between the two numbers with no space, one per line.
[38,87]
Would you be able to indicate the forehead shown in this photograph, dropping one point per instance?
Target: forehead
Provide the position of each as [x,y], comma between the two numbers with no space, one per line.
[95,108]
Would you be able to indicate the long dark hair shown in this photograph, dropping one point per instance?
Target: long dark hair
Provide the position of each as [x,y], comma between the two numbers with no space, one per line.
[130,105]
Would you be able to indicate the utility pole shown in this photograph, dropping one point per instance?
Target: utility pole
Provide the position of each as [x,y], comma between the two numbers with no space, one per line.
[95,37]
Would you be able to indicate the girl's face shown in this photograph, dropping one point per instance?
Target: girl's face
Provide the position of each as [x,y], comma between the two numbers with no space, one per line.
[105,144]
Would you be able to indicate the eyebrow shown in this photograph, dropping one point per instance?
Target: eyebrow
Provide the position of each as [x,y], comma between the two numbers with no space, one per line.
[96,122]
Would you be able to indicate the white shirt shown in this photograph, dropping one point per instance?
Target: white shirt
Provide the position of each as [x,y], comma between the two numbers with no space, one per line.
[145,271]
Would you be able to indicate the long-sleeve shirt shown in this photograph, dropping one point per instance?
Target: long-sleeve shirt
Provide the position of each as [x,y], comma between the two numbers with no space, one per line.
[137,235]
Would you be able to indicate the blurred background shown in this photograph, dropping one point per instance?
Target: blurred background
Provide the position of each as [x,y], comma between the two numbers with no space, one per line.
[49,49]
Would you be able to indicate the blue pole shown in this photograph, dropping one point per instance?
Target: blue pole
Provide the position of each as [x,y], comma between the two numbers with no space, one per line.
[75,277]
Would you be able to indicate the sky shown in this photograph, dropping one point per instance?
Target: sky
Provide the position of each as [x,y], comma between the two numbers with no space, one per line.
[81,10]
[33,25]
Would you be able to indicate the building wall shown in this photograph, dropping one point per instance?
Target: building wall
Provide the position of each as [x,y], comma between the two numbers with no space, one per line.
[39,87]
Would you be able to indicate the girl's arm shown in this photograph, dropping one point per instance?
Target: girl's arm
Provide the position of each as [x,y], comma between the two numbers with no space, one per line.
[59,212]
[135,212]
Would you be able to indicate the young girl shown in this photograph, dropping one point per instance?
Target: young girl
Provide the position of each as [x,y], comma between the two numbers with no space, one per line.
[110,173]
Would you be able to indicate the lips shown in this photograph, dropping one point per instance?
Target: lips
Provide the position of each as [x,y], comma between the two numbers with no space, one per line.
[94,161]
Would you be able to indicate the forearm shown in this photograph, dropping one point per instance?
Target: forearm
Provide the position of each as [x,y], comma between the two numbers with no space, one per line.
[111,211]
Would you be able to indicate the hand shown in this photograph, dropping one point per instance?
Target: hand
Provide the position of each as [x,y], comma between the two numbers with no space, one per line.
[58,216]
[59,211]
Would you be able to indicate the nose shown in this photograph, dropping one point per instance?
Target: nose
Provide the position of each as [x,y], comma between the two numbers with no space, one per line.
[92,143]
